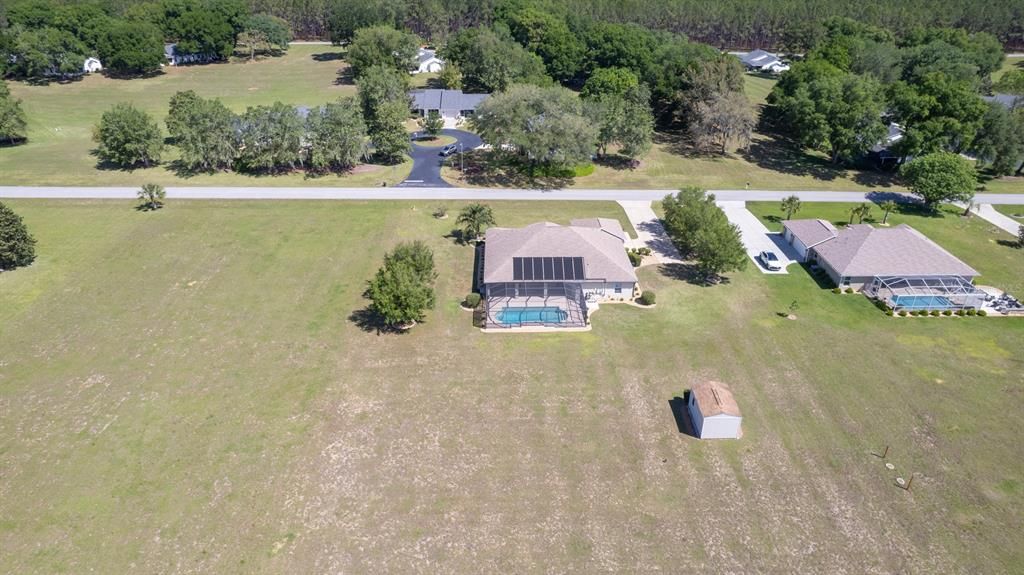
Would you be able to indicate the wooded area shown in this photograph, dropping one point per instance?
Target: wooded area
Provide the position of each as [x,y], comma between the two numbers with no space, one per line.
[771,24]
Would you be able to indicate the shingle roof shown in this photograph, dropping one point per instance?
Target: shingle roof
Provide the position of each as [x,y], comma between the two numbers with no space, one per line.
[608,225]
[810,232]
[426,54]
[602,250]
[1010,101]
[863,251]
[435,99]
[714,398]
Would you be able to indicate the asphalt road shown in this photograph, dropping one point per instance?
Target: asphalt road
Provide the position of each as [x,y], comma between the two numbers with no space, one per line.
[450,193]
[427,161]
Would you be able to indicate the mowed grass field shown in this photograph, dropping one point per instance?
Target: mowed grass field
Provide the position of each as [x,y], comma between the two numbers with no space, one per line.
[61,118]
[189,391]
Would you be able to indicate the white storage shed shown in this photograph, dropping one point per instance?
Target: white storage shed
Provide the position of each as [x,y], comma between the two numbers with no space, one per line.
[714,412]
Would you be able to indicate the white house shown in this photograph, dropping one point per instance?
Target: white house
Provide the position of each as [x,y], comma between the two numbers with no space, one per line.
[428,62]
[714,412]
[92,64]
[762,61]
[549,275]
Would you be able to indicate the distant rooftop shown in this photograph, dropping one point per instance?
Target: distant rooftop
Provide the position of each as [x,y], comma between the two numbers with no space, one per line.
[434,99]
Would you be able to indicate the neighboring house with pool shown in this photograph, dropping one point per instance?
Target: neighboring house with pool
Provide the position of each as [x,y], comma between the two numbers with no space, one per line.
[898,264]
[548,275]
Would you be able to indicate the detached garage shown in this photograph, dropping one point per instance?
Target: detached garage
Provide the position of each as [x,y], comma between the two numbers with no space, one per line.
[714,412]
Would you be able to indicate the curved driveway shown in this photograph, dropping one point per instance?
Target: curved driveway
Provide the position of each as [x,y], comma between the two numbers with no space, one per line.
[427,160]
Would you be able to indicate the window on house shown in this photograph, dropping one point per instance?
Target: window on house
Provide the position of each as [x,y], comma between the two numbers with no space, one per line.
[618,288]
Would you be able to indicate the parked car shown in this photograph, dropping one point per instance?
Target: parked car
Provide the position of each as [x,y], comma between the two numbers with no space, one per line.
[449,150]
[770,261]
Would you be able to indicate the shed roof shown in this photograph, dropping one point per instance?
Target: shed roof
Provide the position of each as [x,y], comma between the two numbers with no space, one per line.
[810,232]
[864,251]
[602,249]
[714,398]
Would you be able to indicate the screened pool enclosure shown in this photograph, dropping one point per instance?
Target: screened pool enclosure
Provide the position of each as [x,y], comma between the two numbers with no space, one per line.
[916,293]
[540,304]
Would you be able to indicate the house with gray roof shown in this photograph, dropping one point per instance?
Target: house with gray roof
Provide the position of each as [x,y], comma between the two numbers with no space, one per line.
[451,104]
[1008,101]
[855,255]
[427,62]
[762,61]
[550,275]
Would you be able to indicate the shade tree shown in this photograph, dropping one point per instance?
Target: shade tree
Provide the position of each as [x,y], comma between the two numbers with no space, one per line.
[382,46]
[544,126]
[403,288]
[128,137]
[17,246]
[940,177]
[336,135]
[13,125]
[384,100]
[270,138]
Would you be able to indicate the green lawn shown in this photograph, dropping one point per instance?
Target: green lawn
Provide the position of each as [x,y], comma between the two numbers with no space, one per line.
[61,117]
[978,243]
[757,87]
[188,391]
[1011,63]
[1012,210]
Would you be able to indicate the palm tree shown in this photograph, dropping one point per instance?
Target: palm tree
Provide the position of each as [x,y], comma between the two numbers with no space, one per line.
[475,218]
[888,206]
[790,205]
[152,196]
[860,212]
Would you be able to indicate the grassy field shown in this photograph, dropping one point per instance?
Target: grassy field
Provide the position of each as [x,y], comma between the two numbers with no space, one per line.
[1014,63]
[191,391]
[982,245]
[1014,211]
[61,117]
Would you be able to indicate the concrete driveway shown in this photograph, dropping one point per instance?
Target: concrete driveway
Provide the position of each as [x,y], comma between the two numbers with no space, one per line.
[427,160]
[650,232]
[757,238]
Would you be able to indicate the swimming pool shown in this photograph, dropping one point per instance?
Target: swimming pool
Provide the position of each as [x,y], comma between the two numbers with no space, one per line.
[520,315]
[921,302]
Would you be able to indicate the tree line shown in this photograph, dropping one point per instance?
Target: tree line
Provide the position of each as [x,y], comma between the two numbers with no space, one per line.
[770,24]
[52,38]
[858,80]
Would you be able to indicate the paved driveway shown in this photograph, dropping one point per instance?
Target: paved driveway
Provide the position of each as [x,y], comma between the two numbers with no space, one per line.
[1010,225]
[650,232]
[756,236]
[427,161]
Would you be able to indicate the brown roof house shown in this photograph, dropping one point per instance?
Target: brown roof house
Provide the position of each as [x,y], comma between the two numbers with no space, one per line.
[855,255]
[714,412]
[549,275]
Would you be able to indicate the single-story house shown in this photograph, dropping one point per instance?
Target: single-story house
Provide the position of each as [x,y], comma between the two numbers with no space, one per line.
[1009,101]
[762,61]
[856,255]
[714,412]
[92,64]
[546,274]
[428,62]
[176,58]
[449,103]
[881,153]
